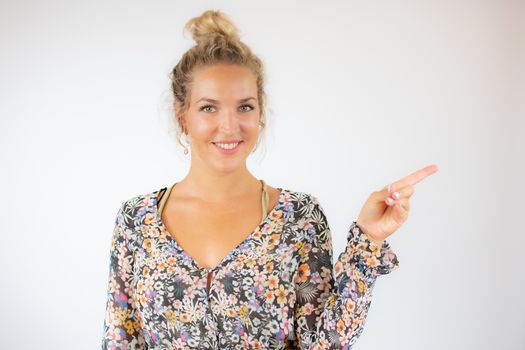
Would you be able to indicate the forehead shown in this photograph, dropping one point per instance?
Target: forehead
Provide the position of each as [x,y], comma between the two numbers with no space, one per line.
[223,81]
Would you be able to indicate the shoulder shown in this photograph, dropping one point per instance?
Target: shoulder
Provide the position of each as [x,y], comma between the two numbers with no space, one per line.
[133,213]
[305,206]
[309,222]
[134,208]
[302,200]
[140,200]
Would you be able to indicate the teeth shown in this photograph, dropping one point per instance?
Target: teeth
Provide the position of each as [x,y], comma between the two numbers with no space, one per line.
[227,145]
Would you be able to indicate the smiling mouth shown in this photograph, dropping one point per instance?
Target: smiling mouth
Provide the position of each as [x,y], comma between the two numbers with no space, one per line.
[231,144]
[227,147]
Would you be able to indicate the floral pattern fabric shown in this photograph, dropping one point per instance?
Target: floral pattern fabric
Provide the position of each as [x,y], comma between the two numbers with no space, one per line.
[277,289]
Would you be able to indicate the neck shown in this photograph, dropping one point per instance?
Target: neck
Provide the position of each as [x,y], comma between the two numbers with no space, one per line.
[218,187]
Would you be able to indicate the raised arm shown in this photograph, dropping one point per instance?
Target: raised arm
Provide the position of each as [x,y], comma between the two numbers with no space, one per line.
[332,304]
[121,328]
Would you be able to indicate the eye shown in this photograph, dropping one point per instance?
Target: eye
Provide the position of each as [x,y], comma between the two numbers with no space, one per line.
[250,106]
[206,106]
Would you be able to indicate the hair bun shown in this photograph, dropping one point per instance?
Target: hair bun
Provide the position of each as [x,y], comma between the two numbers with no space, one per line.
[211,23]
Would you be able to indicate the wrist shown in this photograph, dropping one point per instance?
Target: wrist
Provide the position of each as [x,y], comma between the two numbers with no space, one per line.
[378,242]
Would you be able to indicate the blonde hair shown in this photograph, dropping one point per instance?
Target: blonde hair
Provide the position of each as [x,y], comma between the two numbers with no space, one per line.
[217,41]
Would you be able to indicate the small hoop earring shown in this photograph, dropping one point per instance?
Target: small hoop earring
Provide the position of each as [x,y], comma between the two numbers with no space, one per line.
[187,142]
[257,144]
[261,124]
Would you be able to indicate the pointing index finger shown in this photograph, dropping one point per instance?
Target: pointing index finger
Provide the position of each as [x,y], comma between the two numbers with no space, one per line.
[416,176]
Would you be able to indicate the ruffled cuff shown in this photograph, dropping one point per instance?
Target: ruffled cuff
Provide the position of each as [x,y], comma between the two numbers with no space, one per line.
[371,258]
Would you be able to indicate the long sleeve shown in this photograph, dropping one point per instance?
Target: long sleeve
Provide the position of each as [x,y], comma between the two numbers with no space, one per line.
[332,305]
[122,330]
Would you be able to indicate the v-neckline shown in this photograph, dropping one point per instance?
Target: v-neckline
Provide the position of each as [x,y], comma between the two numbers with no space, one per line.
[232,252]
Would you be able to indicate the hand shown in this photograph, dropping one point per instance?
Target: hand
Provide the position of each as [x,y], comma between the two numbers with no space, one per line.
[387,209]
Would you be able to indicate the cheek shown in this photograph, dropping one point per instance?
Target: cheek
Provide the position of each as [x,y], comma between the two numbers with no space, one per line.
[202,130]
[250,127]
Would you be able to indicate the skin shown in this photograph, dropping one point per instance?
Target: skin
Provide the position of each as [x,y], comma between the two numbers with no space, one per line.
[219,190]
[213,175]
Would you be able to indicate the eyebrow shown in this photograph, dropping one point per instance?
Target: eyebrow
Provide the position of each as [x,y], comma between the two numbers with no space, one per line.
[215,101]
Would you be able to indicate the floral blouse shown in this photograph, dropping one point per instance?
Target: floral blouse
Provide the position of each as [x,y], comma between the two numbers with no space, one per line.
[277,289]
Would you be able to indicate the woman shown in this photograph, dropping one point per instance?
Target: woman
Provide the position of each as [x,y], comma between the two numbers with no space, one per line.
[201,265]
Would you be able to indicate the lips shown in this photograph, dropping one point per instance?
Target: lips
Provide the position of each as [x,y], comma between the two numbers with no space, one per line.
[228,141]
[228,150]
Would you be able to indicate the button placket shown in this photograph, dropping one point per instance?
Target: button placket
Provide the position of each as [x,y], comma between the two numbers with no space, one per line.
[209,278]
[207,274]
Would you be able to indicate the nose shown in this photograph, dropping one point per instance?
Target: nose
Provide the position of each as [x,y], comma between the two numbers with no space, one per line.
[229,122]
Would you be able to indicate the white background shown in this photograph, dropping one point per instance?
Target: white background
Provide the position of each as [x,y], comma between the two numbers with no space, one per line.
[362,93]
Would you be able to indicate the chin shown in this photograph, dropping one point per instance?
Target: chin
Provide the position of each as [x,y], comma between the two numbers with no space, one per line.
[228,168]
[230,162]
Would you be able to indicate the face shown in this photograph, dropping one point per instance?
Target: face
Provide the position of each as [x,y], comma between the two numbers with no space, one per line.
[222,120]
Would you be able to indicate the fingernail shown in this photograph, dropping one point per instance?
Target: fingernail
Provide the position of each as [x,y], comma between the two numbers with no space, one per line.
[396,195]
[389,201]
